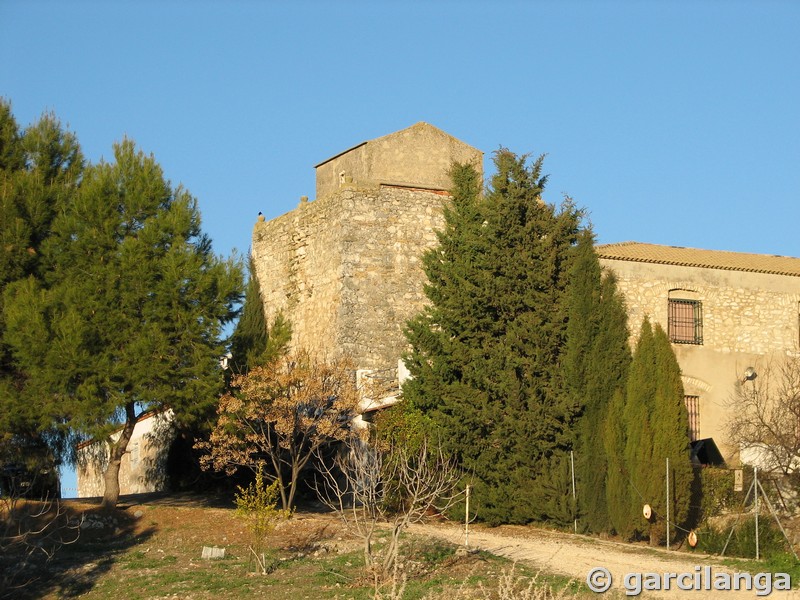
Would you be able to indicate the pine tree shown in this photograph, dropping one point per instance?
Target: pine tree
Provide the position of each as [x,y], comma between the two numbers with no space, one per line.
[595,364]
[131,315]
[485,354]
[40,169]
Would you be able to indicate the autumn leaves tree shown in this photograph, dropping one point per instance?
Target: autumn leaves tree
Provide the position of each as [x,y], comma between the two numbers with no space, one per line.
[281,414]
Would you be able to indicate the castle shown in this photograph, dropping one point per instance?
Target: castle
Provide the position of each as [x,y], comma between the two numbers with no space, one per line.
[345,269]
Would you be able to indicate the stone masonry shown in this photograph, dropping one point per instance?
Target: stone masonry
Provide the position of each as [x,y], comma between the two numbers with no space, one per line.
[346,268]
[346,271]
[750,316]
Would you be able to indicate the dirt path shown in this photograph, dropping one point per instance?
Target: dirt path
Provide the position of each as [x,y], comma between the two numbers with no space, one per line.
[576,556]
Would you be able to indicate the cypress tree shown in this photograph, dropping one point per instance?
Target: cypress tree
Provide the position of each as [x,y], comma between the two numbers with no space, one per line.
[486,352]
[617,485]
[671,431]
[596,359]
[253,343]
[656,422]
[249,339]
[638,455]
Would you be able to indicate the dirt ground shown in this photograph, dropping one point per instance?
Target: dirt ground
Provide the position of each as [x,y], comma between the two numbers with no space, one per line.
[176,528]
[577,555]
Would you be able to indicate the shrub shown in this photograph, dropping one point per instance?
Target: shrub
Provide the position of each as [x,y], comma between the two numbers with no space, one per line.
[743,540]
[257,504]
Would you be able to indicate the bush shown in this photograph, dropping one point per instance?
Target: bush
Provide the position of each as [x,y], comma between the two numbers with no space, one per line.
[257,504]
[743,541]
[717,495]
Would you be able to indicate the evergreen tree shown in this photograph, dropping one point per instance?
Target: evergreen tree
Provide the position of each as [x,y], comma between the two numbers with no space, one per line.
[249,339]
[131,312]
[596,359]
[617,484]
[638,454]
[486,352]
[40,169]
[656,425]
[253,344]
[671,432]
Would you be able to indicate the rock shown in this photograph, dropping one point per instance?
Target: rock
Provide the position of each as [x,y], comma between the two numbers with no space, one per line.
[210,553]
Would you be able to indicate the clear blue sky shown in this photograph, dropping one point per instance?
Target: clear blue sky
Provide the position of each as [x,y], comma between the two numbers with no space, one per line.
[670,122]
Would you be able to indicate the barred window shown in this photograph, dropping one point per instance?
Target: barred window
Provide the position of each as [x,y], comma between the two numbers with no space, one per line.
[693,407]
[685,321]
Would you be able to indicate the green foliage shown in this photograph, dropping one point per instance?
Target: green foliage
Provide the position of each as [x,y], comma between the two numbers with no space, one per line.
[595,364]
[129,313]
[257,505]
[253,344]
[671,429]
[40,169]
[618,488]
[656,428]
[717,493]
[401,426]
[249,339]
[742,542]
[278,338]
[486,352]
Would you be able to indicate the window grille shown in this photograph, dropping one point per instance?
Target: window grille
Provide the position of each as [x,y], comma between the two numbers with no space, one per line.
[685,321]
[693,407]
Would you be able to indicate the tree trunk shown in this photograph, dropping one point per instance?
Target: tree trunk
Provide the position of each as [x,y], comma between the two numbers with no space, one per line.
[116,452]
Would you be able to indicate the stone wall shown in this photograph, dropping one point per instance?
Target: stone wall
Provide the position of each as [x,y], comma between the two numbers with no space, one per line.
[419,156]
[346,269]
[143,467]
[749,319]
[746,312]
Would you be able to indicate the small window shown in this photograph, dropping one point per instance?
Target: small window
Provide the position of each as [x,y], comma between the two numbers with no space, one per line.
[685,321]
[693,407]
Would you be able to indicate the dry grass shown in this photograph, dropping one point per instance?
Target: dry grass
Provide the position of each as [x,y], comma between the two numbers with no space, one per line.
[153,551]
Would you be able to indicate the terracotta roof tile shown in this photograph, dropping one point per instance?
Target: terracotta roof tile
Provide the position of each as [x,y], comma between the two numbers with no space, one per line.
[692,257]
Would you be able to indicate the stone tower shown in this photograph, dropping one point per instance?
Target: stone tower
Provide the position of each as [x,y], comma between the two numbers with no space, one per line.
[346,268]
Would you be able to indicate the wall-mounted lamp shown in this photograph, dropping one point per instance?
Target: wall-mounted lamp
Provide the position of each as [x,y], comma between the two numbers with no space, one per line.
[749,374]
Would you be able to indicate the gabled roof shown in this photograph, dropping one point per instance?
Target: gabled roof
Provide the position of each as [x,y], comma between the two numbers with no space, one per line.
[693,257]
[420,126]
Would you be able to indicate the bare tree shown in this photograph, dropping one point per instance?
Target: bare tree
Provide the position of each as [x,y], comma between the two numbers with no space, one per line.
[363,479]
[31,532]
[766,414]
[282,414]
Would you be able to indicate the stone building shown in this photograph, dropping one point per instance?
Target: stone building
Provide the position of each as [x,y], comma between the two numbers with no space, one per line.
[143,466]
[346,268]
[723,311]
